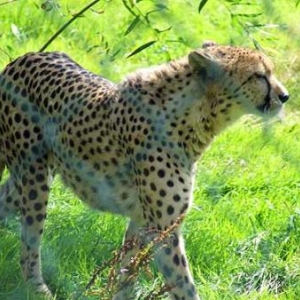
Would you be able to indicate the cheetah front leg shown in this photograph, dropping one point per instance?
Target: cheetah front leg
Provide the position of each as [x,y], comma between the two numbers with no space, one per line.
[172,262]
[165,185]
[33,189]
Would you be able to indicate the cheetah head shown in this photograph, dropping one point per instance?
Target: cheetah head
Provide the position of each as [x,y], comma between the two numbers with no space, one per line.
[240,76]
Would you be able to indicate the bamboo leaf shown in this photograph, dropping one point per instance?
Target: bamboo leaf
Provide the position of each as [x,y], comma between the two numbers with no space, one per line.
[132,25]
[201,5]
[15,30]
[161,6]
[248,15]
[163,30]
[127,6]
[141,48]
[113,57]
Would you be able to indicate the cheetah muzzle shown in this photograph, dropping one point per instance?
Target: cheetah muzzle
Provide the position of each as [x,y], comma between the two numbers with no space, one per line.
[127,148]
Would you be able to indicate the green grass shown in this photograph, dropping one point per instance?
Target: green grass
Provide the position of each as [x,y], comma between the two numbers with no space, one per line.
[243,232]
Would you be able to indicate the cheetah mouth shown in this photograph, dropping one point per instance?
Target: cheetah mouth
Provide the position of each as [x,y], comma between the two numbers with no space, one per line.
[264,108]
[269,107]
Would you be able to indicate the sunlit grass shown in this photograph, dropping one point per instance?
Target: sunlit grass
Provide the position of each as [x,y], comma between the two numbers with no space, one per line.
[242,234]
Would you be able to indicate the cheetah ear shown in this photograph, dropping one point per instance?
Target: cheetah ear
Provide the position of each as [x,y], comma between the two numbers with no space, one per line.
[206,66]
[208,43]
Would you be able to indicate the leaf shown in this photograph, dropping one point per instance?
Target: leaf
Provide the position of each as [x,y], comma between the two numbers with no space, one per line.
[15,30]
[152,11]
[297,3]
[162,6]
[141,48]
[162,30]
[201,5]
[113,57]
[132,25]
[49,5]
[67,24]
[256,44]
[247,15]
[129,8]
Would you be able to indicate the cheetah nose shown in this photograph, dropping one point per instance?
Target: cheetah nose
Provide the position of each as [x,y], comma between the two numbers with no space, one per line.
[284,97]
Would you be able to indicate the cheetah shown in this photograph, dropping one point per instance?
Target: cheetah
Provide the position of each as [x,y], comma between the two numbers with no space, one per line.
[127,148]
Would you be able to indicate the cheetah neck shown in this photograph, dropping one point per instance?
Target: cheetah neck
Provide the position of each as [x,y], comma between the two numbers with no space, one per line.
[169,86]
[186,110]
[209,118]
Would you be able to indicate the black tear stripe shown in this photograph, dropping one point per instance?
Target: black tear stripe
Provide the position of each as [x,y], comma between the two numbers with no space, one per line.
[268,96]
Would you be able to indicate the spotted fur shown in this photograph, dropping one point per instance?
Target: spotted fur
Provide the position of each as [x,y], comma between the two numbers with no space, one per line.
[127,148]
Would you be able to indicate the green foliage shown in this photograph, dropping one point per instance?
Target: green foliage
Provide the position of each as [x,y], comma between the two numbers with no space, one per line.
[49,6]
[201,5]
[243,232]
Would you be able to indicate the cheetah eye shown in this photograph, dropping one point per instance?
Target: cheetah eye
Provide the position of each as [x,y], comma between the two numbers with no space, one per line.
[261,76]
